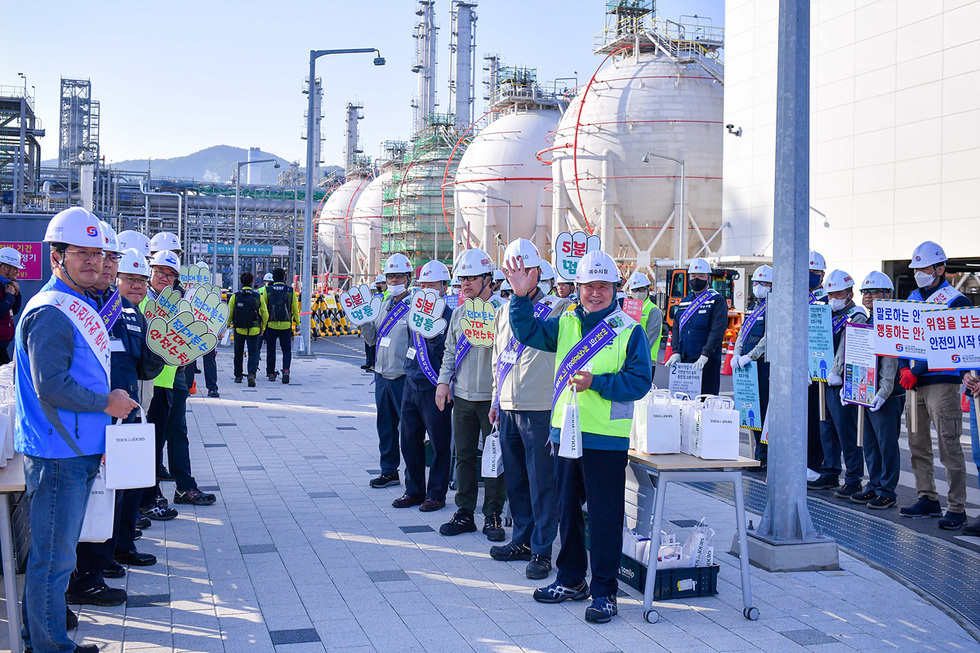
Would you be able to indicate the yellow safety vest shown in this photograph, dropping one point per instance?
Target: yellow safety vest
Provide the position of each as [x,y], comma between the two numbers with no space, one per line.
[655,346]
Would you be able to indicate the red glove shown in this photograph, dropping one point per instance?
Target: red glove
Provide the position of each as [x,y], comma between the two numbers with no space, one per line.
[906,379]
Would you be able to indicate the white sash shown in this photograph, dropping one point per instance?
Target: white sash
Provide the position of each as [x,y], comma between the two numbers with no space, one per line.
[944,295]
[83,317]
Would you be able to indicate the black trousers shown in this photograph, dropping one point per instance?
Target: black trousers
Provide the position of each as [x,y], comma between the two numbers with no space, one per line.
[4,355]
[814,445]
[285,339]
[210,362]
[253,343]
[419,415]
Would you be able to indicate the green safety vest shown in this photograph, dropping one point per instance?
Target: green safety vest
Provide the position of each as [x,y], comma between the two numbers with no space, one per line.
[595,411]
[165,379]
[655,345]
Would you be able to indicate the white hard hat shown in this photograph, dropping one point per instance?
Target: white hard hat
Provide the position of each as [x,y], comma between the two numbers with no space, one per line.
[165,241]
[133,262]
[877,281]
[498,275]
[523,249]
[699,266]
[166,258]
[434,271]
[817,262]
[926,255]
[134,240]
[638,280]
[267,277]
[398,264]
[762,273]
[10,256]
[380,279]
[596,266]
[472,263]
[838,280]
[109,236]
[75,226]
[506,285]
[547,272]
[455,283]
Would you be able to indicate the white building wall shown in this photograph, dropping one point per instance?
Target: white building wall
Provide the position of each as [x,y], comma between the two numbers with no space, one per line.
[895,128]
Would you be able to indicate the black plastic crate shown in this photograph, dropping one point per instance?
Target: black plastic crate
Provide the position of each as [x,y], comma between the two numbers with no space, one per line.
[681,583]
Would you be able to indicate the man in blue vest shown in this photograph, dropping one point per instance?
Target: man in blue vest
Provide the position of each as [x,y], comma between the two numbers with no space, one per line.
[936,400]
[750,345]
[64,403]
[700,328]
[604,355]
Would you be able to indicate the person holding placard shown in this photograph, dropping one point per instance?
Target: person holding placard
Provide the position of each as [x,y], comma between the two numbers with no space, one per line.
[10,298]
[380,289]
[699,329]
[935,398]
[652,319]
[750,346]
[814,444]
[522,381]
[389,332]
[603,356]
[471,367]
[64,404]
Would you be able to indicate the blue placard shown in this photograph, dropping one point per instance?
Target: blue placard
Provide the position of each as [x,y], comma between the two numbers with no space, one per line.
[745,382]
[821,342]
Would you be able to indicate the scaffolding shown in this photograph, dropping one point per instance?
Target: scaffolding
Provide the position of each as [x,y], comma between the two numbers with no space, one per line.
[20,152]
[79,122]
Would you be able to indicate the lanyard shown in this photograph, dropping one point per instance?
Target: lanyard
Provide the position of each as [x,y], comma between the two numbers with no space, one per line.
[422,356]
[393,316]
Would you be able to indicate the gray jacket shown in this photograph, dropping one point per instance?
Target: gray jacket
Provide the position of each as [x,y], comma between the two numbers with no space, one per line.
[474,378]
[390,359]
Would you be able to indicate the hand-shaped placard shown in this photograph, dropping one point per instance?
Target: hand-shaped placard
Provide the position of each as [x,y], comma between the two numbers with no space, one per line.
[569,250]
[167,305]
[181,340]
[478,322]
[193,275]
[359,305]
[206,305]
[425,315]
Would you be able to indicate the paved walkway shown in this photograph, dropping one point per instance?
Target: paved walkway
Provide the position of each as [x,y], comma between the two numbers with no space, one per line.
[299,554]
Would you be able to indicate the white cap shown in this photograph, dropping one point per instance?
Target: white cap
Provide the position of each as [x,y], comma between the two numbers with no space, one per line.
[133,262]
[10,256]
[165,241]
[498,275]
[817,262]
[506,286]
[838,280]
[877,281]
[379,279]
[455,283]
[927,254]
[434,271]
[134,240]
[699,266]
[472,263]
[547,272]
[596,266]
[523,249]
[111,242]
[638,280]
[267,277]
[762,273]
[166,258]
[75,226]
[398,264]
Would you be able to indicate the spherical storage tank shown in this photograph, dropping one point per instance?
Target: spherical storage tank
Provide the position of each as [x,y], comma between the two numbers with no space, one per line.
[500,164]
[366,230]
[332,225]
[632,107]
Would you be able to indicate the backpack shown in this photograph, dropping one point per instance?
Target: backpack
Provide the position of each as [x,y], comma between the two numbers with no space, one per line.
[280,298]
[246,309]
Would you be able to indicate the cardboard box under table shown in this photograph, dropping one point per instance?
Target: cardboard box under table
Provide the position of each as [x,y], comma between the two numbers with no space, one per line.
[651,474]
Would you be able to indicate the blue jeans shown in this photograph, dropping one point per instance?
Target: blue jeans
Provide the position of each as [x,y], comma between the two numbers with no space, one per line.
[58,489]
[974,436]
[529,469]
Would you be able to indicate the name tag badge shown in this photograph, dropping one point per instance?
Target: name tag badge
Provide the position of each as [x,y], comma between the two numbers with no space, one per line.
[116,345]
[385,342]
[410,353]
[509,357]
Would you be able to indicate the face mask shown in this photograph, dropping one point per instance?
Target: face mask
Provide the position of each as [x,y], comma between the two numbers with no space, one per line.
[641,295]
[837,304]
[697,285]
[544,287]
[760,291]
[815,279]
[924,279]
[396,290]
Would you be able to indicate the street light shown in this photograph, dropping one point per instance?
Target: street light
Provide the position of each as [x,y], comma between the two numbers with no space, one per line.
[507,202]
[682,223]
[307,297]
[238,179]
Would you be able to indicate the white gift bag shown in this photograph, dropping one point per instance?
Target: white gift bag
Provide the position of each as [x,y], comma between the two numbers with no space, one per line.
[100,512]
[658,424]
[716,430]
[493,456]
[130,455]
[688,408]
[570,443]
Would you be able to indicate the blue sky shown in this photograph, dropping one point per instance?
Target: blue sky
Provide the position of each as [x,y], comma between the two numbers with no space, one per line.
[175,77]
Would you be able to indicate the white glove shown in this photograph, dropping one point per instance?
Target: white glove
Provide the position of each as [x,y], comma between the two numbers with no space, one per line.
[834,379]
[736,362]
[841,393]
[673,360]
[743,361]
[700,363]
[877,402]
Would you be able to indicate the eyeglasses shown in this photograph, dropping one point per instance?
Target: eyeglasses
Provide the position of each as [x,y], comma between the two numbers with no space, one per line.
[86,256]
[164,274]
[113,257]
[133,281]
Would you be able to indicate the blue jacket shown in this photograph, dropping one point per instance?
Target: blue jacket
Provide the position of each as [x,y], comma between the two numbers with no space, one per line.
[629,384]
[435,346]
[921,368]
[61,387]
[704,332]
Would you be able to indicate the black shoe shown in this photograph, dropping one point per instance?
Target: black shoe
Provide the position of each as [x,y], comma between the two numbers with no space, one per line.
[251,380]
[86,648]
[71,619]
[136,559]
[159,513]
[238,379]
[952,521]
[848,491]
[365,366]
[462,522]
[493,528]
[512,551]
[285,377]
[194,497]
[273,375]
[101,595]
[407,501]
[539,567]
[137,535]
[114,570]
[164,475]
[922,508]
[213,394]
[973,528]
[823,483]
[556,593]
[143,523]
[863,497]
[602,610]
[431,505]
[385,480]
[880,503]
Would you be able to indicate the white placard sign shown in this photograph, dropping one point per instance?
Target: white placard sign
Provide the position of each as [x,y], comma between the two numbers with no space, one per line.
[899,331]
[570,247]
[685,378]
[953,338]
[425,316]
[360,305]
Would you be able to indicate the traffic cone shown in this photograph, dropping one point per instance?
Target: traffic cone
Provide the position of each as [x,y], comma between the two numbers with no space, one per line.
[965,404]
[669,350]
[193,389]
[726,369]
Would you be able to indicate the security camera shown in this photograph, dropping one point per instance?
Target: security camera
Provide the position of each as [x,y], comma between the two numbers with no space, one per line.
[731,130]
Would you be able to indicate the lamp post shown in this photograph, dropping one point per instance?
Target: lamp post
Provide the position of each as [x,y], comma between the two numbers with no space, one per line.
[682,222]
[507,202]
[238,182]
[307,296]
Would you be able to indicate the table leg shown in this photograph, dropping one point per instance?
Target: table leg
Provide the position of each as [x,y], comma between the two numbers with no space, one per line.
[10,576]
[750,612]
[651,615]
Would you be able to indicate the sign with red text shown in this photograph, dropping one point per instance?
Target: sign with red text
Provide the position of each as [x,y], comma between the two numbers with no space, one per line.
[633,308]
[479,322]
[425,315]
[181,340]
[30,258]
[360,305]
[952,338]
[899,330]
[570,247]
[167,305]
